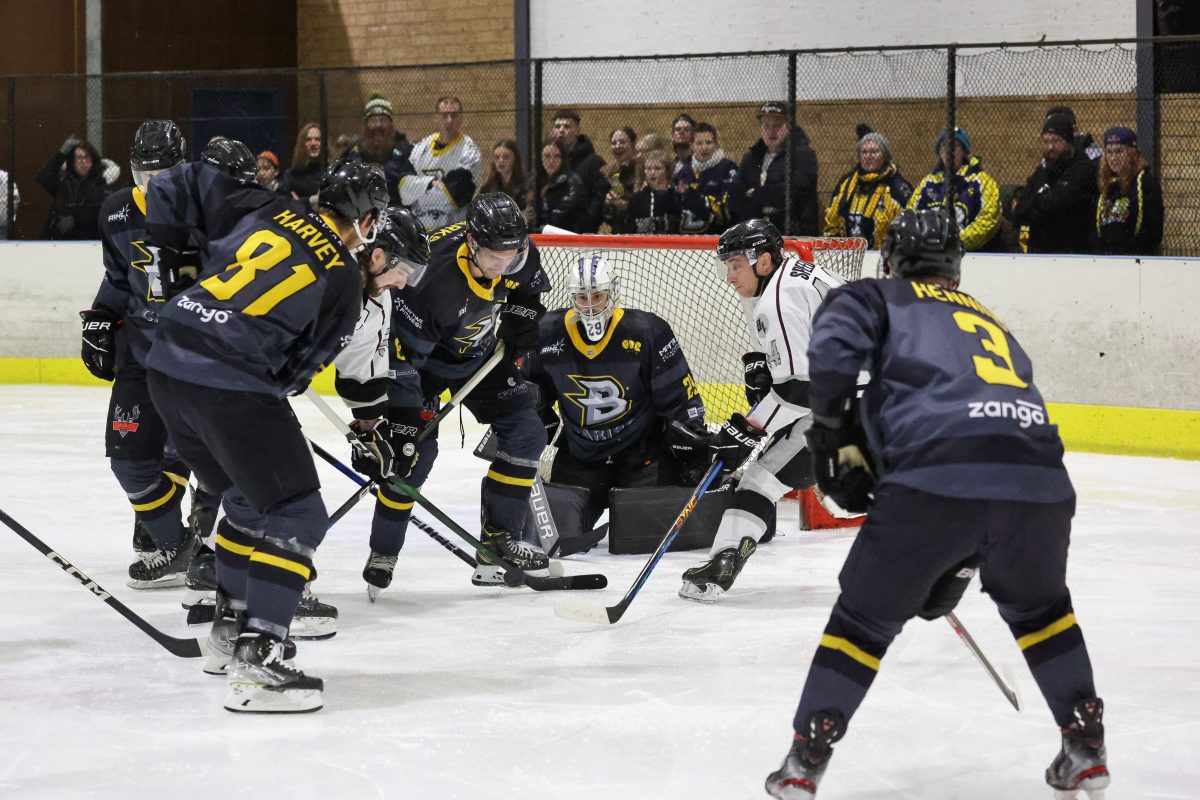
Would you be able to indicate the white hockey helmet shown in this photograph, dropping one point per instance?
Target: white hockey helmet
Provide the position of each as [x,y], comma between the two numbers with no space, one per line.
[593,289]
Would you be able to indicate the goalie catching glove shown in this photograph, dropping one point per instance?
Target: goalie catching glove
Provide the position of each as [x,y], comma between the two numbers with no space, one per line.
[839,451]
[736,440]
[99,343]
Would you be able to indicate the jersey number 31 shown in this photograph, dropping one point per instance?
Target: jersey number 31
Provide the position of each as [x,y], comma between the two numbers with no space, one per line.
[237,276]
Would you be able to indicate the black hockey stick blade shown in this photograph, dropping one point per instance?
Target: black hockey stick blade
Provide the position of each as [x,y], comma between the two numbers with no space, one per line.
[566,582]
[184,648]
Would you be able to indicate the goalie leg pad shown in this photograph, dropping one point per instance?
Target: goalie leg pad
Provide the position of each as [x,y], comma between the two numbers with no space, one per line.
[639,517]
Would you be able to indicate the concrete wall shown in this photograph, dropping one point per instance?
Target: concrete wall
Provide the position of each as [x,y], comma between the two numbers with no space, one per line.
[1117,332]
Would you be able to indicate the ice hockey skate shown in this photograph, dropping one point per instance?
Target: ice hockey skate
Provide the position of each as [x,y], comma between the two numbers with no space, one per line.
[800,774]
[201,582]
[222,639]
[529,557]
[378,573]
[313,619]
[1081,765]
[163,569]
[263,681]
[710,580]
[143,545]
[202,517]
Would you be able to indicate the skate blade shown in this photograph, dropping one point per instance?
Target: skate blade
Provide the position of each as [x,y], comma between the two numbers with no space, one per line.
[373,592]
[707,595]
[165,582]
[247,697]
[488,575]
[217,663]
[313,628]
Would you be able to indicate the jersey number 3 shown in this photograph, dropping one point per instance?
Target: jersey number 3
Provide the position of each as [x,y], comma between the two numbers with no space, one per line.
[995,342]
[237,276]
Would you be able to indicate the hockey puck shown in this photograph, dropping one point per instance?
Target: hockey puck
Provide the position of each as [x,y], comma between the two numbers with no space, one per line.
[201,614]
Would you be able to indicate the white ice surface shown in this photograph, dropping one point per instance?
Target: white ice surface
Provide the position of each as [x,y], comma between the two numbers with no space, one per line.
[443,690]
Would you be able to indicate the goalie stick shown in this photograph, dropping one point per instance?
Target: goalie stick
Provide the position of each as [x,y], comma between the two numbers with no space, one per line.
[969,641]
[601,615]
[184,648]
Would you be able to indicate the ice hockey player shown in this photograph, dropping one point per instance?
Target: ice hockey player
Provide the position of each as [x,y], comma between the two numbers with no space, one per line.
[779,296]
[276,294]
[447,170]
[117,331]
[951,450]
[231,157]
[620,380]
[483,283]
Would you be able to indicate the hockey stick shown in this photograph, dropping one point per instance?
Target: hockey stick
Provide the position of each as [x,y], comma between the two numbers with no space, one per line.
[600,615]
[464,390]
[184,648]
[1009,694]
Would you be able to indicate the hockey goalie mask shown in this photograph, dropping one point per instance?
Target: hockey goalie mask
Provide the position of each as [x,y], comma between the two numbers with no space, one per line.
[593,294]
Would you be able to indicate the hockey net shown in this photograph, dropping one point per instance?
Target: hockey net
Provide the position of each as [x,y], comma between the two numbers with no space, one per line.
[674,277]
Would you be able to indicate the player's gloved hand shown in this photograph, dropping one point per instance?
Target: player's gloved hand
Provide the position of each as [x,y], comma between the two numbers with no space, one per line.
[99,343]
[840,462]
[178,269]
[406,425]
[690,446]
[949,589]
[69,144]
[735,441]
[375,458]
[519,324]
[758,377]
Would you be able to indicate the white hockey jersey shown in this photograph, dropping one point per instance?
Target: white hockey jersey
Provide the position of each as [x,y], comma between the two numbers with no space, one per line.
[447,175]
[780,322]
[362,365]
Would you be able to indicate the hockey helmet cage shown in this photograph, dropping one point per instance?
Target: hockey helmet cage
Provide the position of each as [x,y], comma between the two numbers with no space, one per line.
[921,243]
[157,145]
[752,237]
[231,157]
[590,274]
[495,222]
[353,188]
[405,243]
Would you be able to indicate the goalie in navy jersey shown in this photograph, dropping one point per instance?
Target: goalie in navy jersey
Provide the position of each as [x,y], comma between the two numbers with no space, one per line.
[951,452]
[630,411]
[483,284]
[275,294]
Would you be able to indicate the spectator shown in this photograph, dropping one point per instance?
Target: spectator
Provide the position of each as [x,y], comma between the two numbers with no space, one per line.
[267,173]
[759,189]
[653,208]
[1084,142]
[74,178]
[563,199]
[1129,212]
[4,228]
[382,144]
[869,196]
[506,174]
[446,165]
[1059,199]
[976,195]
[303,179]
[704,203]
[681,142]
[585,163]
[621,174]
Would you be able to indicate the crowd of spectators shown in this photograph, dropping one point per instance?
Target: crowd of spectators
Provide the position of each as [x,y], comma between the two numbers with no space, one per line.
[1082,197]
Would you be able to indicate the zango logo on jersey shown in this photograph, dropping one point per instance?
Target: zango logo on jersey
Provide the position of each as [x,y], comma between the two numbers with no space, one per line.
[207,314]
[1024,412]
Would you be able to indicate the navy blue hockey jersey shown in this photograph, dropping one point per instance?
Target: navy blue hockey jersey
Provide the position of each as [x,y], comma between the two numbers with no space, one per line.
[612,393]
[279,293]
[951,408]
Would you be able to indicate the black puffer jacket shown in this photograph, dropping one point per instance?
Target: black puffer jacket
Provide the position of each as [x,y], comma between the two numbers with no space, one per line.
[1059,204]
[589,167]
[563,202]
[76,210]
[769,193]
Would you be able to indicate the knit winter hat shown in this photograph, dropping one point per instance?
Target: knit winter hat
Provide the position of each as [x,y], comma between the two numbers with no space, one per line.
[879,139]
[1120,135]
[269,156]
[1060,125]
[960,135]
[378,105]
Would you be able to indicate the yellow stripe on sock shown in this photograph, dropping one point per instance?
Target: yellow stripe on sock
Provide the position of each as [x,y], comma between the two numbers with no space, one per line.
[496,476]
[179,479]
[1053,629]
[153,504]
[398,505]
[234,547]
[845,646]
[282,563]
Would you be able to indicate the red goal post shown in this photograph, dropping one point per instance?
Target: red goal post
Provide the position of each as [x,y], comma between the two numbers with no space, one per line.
[676,278]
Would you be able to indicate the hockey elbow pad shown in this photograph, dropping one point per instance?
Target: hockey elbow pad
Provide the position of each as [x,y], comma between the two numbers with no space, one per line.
[178,270]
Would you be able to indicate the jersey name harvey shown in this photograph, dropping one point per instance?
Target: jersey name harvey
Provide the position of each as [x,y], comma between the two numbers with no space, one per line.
[322,248]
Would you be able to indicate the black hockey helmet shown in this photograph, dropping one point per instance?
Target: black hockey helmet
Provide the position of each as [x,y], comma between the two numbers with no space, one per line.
[231,157]
[752,237]
[404,241]
[495,222]
[353,188]
[158,144]
[921,243]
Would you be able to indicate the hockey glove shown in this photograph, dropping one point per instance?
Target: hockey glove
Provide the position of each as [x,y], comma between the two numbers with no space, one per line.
[406,425]
[519,324]
[375,458]
[948,590]
[735,441]
[758,377]
[178,270]
[99,343]
[841,466]
[689,446]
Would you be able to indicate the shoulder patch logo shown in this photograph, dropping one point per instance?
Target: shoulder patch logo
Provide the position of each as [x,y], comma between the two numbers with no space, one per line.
[631,344]
[120,216]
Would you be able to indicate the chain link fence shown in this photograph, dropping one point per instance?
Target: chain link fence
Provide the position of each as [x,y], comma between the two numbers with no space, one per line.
[1002,95]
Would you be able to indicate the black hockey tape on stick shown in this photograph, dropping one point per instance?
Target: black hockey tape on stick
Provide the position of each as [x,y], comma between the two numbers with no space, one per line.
[184,648]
